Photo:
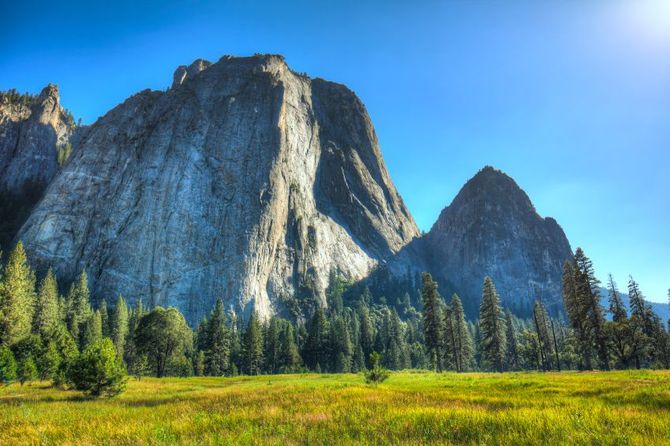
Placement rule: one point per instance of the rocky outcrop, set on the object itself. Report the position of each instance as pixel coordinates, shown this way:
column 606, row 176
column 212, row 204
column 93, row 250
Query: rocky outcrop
column 32, row 131
column 245, row 181
column 492, row 229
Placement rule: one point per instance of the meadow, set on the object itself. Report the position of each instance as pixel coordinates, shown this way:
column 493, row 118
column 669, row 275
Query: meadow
column 628, row 407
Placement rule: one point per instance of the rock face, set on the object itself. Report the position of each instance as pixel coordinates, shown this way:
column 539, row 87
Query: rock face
column 491, row 228
column 245, row 181
column 32, row 129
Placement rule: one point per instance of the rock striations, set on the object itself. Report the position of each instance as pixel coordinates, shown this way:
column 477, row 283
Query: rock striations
column 244, row 181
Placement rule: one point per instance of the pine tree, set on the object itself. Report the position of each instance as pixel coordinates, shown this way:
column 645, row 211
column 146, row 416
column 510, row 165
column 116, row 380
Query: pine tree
column 78, row 307
column 589, row 296
column 543, row 331
column 577, row 314
column 316, row 351
column 513, row 362
column 47, row 315
column 253, row 346
column 367, row 334
column 272, row 346
column 130, row 352
column 17, row 298
column 119, row 325
column 289, row 358
column 618, row 329
column 492, row 325
column 462, row 339
column 340, row 346
column 217, row 346
column 105, row 319
column 432, row 321
column 92, row 330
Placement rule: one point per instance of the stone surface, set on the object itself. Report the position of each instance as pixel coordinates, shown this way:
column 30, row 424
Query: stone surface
column 492, row 228
column 29, row 136
column 244, row 181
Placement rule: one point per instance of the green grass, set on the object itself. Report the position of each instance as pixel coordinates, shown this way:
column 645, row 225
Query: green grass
column 410, row 407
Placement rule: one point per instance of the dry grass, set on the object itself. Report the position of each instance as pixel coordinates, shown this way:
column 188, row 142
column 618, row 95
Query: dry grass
column 410, row 408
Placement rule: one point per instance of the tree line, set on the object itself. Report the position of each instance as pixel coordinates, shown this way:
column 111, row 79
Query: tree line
column 62, row 338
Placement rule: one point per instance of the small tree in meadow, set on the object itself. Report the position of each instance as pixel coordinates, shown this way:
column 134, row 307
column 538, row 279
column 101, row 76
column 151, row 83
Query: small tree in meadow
column 7, row 365
column 98, row 371
column 377, row 372
column 26, row 370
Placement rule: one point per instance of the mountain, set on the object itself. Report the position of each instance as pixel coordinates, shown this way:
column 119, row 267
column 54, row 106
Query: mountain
column 244, row 181
column 33, row 129
column 492, row 229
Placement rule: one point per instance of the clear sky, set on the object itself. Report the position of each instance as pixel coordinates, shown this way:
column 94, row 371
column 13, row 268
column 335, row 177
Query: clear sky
column 569, row 97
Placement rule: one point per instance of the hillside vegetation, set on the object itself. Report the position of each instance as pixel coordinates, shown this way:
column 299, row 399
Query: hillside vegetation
column 624, row 407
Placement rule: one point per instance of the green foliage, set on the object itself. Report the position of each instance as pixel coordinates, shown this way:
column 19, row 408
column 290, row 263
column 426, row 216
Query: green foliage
column 492, row 326
column 64, row 151
column 98, row 371
column 377, row 372
column 47, row 315
column 119, row 325
column 7, row 365
column 163, row 336
column 78, row 309
column 253, row 346
column 17, row 298
column 26, row 369
column 432, row 321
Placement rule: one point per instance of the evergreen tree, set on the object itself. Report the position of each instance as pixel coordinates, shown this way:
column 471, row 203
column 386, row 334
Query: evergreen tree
column 543, row 331
column 289, row 358
column 78, row 307
column 432, row 321
column 577, row 314
column 367, row 334
column 105, row 320
column 272, row 346
column 131, row 354
column 47, row 315
column 217, row 346
column 253, row 346
column 462, row 340
column 119, row 324
column 7, row 365
column 340, row 346
column 513, row 361
column 492, row 325
column 589, row 297
column 17, row 298
column 199, row 364
column 99, row 371
column 49, row 361
column 92, row 330
column 316, row 351
column 618, row 329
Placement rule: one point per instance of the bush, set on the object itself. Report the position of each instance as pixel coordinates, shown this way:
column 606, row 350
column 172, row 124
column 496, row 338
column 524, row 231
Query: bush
column 7, row 365
column 377, row 373
column 26, row 370
column 98, row 371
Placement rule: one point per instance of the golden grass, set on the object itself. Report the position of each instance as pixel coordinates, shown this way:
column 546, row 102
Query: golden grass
column 409, row 408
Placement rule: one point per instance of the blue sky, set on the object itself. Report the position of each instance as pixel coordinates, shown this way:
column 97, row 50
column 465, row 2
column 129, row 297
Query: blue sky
column 571, row 98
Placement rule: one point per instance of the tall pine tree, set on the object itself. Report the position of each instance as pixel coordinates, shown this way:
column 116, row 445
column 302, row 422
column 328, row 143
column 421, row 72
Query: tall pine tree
column 492, row 326
column 432, row 321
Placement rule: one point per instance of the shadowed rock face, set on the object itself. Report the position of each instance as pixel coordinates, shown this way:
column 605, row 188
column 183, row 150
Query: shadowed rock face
column 244, row 181
column 491, row 228
column 30, row 134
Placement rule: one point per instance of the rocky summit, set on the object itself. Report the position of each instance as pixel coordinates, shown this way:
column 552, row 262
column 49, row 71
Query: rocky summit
column 492, row 229
column 244, row 181
column 34, row 133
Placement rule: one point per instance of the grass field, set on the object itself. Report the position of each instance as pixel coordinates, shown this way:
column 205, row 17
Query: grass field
column 411, row 408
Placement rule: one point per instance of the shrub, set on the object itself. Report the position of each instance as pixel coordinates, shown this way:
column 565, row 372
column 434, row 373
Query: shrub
column 7, row 365
column 377, row 373
column 98, row 371
column 26, row 370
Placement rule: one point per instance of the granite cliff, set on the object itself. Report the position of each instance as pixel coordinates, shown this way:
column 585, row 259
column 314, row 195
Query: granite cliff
column 244, row 181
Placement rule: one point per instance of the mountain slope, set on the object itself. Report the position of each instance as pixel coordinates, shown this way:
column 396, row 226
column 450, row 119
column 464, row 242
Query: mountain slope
column 244, row 181
column 491, row 228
